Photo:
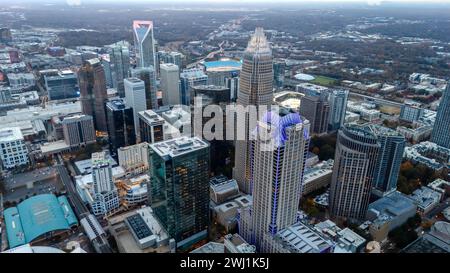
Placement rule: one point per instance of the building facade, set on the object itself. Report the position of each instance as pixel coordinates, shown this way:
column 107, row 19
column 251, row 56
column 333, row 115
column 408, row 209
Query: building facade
column 170, row 84
column 13, row 151
column 255, row 88
column 357, row 151
column 106, row 197
column 120, row 120
column 278, row 156
column 119, row 57
column 180, row 188
column 135, row 99
column 440, row 134
column 93, row 95
column 337, row 100
column 78, row 130
column 144, row 43
column 148, row 75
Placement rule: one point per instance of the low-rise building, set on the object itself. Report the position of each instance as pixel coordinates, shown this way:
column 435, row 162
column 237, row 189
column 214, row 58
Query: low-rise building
column 389, row 212
column 317, row 176
column 222, row 189
column 139, row 231
column 426, row 198
column 13, row 151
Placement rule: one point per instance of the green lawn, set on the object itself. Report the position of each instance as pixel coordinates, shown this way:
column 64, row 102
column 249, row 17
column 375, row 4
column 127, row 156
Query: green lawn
column 322, row 80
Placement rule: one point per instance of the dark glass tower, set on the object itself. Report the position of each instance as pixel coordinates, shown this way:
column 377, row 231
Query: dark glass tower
column 441, row 130
column 120, row 125
column 180, row 188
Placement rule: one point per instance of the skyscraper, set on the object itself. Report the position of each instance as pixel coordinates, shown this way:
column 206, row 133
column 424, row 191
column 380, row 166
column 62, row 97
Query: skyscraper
column 119, row 57
column 255, row 88
column 151, row 127
column 106, row 198
column 170, row 84
column 92, row 83
column 120, row 120
column 441, row 129
column 337, row 100
column 278, row 155
column 357, row 151
column 135, row 99
column 148, row 75
column 180, row 188
column 144, row 43
column 188, row 79
column 316, row 109
column 389, row 159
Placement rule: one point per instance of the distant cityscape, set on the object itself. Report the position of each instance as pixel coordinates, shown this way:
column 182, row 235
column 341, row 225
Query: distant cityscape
column 104, row 147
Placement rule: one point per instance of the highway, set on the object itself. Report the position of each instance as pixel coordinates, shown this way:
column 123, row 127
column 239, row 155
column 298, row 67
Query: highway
column 80, row 209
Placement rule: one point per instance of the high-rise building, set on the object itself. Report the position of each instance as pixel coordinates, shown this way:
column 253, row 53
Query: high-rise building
column 233, row 84
column 105, row 195
column 134, row 157
column 279, row 67
column 278, row 155
column 144, row 43
column 255, row 88
column 441, row 129
column 63, row 85
column 120, row 120
column 148, row 75
column 135, row 99
column 119, row 57
column 188, row 79
column 180, row 188
column 389, row 159
column 356, row 155
column 151, row 127
column 316, row 109
column 172, row 57
column 337, row 100
column 170, row 84
column 78, row 130
column 93, row 95
column 13, row 151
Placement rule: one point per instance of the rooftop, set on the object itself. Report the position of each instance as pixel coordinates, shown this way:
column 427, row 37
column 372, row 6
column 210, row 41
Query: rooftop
column 178, row 146
column 37, row 216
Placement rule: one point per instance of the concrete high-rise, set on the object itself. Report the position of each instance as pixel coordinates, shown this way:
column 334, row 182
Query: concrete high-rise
column 105, row 195
column 148, row 75
column 119, row 57
column 278, row 155
column 135, row 98
column 170, row 84
column 316, row 109
column 337, row 100
column 180, row 188
column 144, row 43
column 120, row 119
column 93, row 95
column 441, row 129
column 255, row 88
column 357, row 150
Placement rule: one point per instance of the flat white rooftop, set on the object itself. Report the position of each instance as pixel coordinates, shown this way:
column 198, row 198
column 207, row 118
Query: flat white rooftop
column 10, row 134
column 178, row 146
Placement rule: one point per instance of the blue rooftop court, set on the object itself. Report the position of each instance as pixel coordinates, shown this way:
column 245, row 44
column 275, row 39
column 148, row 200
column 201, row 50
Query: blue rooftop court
column 37, row 216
